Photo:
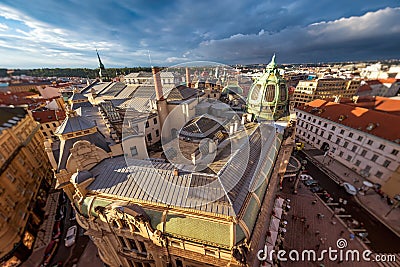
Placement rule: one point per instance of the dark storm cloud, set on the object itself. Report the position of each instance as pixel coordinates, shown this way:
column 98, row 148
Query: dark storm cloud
column 66, row 33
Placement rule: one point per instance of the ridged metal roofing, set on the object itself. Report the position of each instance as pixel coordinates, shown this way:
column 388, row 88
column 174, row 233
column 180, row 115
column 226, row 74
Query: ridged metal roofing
column 74, row 124
column 222, row 193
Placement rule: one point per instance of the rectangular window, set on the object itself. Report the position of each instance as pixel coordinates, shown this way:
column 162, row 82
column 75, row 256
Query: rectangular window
column 10, row 177
column 382, row 147
column 370, row 142
column 367, row 168
column 149, row 137
column 354, row 148
column 318, row 142
column 338, row 141
column 395, row 152
column 142, row 247
column 350, row 135
column 342, row 131
column 360, row 138
column 348, row 158
column 147, row 124
column 319, row 122
column 122, row 241
column 157, row 133
column 333, row 128
column 341, row 154
column 345, row 144
column 155, row 120
column 132, row 244
column 379, row 174
column 386, row 163
column 363, row 153
column 374, row 158
column 358, row 163
column 54, row 124
column 329, row 137
column 134, row 151
column 325, row 125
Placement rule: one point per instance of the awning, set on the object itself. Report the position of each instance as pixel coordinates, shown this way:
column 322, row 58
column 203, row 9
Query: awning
column 274, row 224
column 279, row 202
column 278, row 213
column 271, row 239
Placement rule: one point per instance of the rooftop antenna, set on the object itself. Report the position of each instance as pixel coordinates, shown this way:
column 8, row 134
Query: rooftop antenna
column 148, row 52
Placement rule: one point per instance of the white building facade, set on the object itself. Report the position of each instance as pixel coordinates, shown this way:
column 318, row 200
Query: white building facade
column 373, row 157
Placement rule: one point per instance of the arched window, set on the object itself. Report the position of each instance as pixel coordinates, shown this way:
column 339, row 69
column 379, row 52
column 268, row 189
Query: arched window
column 283, row 92
column 270, row 93
column 256, row 90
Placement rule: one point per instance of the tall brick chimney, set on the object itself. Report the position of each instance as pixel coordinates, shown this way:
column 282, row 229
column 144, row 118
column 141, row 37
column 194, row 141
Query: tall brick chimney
column 157, row 83
column 187, row 77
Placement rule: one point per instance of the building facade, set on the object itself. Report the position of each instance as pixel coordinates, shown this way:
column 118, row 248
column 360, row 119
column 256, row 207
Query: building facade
column 211, row 209
column 323, row 88
column 26, row 177
column 360, row 138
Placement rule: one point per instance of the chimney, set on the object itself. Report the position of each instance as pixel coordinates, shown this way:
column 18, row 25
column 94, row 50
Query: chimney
column 187, row 77
column 157, row 83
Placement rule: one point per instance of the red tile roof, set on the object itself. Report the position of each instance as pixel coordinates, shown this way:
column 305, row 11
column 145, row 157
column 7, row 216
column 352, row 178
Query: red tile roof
column 378, row 103
column 364, row 87
column 383, row 124
column 44, row 116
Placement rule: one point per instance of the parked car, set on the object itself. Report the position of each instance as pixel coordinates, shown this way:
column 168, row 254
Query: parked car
column 310, row 182
column 316, row 189
column 71, row 236
column 305, row 177
column 350, row 189
column 49, row 252
column 57, row 230
column 58, row 264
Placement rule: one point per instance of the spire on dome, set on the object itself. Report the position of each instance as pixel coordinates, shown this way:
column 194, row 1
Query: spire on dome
column 272, row 63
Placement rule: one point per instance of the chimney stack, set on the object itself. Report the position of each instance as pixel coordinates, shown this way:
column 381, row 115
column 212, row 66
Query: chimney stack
column 157, row 83
column 187, row 77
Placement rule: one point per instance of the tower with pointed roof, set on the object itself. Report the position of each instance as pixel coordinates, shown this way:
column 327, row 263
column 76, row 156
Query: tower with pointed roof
column 268, row 96
column 82, row 146
column 101, row 66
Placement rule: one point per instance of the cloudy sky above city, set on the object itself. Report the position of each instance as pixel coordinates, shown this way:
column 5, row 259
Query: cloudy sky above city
column 45, row 33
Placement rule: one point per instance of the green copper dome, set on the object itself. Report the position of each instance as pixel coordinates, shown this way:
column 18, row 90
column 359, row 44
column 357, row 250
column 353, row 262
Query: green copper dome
column 268, row 96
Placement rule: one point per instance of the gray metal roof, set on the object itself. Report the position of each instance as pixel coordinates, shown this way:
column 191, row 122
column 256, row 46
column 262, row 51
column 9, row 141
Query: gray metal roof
column 78, row 96
column 223, row 193
column 65, row 145
column 10, row 116
column 81, row 105
column 112, row 90
column 74, row 124
column 128, row 91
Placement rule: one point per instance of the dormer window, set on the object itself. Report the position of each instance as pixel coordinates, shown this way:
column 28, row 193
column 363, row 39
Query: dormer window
column 372, row 126
column 342, row 117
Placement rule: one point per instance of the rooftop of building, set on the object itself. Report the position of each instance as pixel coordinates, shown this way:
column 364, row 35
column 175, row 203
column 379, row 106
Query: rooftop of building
column 371, row 121
column 10, row 116
column 47, row 115
column 74, row 123
column 221, row 191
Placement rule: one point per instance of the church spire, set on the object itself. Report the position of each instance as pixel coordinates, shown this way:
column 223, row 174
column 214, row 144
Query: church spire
column 101, row 66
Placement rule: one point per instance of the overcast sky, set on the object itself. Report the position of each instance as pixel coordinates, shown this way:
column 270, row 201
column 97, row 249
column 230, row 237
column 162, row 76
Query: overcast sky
column 48, row 33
